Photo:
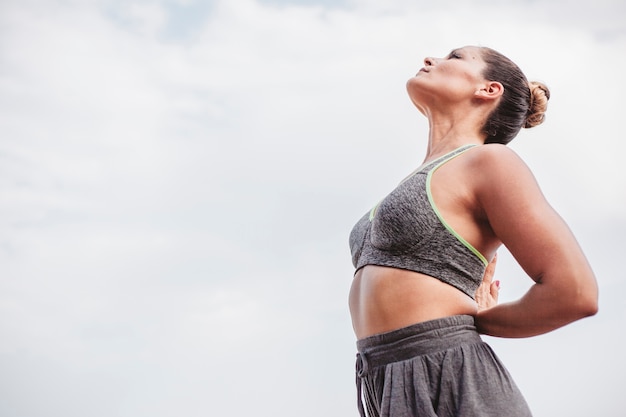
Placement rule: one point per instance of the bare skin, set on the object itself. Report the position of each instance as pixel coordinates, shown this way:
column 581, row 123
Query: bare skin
column 490, row 197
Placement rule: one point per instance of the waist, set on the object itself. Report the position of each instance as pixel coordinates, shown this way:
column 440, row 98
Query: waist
column 384, row 299
column 416, row 340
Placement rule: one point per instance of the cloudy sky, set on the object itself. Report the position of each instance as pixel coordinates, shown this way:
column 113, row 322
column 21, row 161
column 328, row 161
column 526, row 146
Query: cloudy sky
column 178, row 180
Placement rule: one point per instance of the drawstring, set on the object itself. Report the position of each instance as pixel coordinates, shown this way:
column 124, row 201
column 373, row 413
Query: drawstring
column 361, row 369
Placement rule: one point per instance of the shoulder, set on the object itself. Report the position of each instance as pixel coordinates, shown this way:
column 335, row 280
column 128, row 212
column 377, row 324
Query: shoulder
column 495, row 156
column 494, row 163
column 500, row 176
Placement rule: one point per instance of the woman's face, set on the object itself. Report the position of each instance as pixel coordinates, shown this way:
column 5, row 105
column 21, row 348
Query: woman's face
column 444, row 81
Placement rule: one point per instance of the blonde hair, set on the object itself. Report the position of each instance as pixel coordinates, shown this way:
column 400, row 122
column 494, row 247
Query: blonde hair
column 539, row 96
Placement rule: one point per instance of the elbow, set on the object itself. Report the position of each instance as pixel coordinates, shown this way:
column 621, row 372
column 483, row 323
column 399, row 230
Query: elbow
column 583, row 290
column 580, row 306
column 579, row 299
column 589, row 307
column 587, row 302
column 586, row 309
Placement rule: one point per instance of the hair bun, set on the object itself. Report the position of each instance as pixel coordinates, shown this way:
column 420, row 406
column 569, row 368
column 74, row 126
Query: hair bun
column 539, row 96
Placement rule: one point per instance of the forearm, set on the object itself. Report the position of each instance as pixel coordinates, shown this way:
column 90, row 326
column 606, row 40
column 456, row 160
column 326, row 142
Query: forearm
column 542, row 309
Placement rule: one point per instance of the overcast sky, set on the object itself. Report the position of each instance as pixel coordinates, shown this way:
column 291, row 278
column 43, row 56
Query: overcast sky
column 178, row 180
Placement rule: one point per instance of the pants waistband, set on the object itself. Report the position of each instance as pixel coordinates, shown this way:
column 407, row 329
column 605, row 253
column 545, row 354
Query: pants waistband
column 415, row 340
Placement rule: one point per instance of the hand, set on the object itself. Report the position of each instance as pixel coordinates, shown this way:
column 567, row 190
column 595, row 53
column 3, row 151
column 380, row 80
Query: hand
column 487, row 293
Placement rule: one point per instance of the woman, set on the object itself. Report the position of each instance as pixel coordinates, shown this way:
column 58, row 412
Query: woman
column 422, row 291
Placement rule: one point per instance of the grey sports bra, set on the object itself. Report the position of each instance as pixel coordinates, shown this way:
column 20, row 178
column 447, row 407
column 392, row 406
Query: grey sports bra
column 405, row 230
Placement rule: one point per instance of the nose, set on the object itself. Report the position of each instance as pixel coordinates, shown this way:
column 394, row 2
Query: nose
column 430, row 61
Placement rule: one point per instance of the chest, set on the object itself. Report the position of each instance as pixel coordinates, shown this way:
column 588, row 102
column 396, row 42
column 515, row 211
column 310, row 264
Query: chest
column 404, row 219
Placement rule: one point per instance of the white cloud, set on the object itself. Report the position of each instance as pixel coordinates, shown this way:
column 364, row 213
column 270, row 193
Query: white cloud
column 175, row 211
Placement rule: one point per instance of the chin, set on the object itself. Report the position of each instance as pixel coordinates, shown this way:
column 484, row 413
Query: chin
column 414, row 83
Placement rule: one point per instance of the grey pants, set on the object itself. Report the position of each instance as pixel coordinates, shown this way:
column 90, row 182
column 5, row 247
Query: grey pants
column 438, row 368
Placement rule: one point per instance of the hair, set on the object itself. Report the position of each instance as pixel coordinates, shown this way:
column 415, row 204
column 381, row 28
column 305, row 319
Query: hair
column 522, row 105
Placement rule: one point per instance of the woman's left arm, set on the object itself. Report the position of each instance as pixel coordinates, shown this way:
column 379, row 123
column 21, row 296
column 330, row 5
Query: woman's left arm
column 565, row 287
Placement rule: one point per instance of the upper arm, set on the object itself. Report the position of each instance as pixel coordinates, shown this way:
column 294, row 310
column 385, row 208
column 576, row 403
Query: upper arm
column 523, row 220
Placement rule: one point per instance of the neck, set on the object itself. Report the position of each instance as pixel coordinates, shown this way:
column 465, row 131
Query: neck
column 449, row 131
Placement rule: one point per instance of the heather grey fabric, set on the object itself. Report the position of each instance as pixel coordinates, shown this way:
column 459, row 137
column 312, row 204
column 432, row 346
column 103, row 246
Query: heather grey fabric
column 438, row 368
column 404, row 231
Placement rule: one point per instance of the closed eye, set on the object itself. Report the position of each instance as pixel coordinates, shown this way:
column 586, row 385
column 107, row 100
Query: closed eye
column 454, row 55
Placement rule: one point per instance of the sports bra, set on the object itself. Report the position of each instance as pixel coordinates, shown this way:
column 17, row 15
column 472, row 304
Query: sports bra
column 405, row 230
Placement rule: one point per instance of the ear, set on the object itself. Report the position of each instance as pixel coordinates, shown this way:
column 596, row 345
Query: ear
column 491, row 90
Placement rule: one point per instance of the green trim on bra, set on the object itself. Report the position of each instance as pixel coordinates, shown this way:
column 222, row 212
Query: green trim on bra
column 441, row 219
column 445, row 158
column 373, row 210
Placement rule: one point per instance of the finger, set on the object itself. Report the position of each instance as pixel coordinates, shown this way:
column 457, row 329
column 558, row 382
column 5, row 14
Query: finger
column 494, row 290
column 490, row 270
